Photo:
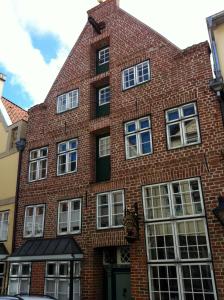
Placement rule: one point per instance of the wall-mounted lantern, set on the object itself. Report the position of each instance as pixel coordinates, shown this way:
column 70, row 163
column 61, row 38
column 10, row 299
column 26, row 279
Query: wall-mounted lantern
column 219, row 210
column 131, row 224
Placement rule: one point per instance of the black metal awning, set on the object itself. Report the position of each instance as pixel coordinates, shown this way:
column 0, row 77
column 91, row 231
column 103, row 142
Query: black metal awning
column 48, row 249
column 3, row 251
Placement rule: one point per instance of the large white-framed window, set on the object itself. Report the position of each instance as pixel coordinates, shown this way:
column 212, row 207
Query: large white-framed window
column 178, row 251
column 38, row 164
column 138, row 137
column 4, row 224
column 68, row 101
column 19, row 278
column 67, row 157
column 182, row 126
column 69, row 216
column 104, row 95
column 57, row 280
column 34, row 221
column 104, row 146
column 136, row 75
column 110, row 209
column 103, row 56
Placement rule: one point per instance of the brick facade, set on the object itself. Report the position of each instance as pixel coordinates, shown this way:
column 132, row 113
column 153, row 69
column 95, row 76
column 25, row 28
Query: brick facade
column 177, row 77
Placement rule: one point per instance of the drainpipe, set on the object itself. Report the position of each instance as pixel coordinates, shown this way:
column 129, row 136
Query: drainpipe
column 20, row 145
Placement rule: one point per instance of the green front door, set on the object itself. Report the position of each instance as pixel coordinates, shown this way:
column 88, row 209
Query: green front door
column 121, row 286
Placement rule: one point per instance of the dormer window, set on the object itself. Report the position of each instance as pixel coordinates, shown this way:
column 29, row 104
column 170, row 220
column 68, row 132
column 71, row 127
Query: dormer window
column 68, row 101
column 102, row 60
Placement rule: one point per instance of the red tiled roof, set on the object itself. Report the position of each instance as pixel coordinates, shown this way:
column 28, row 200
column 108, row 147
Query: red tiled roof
column 15, row 112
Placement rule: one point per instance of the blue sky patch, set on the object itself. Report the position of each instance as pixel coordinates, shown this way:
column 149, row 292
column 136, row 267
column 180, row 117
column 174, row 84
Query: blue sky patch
column 15, row 92
column 47, row 43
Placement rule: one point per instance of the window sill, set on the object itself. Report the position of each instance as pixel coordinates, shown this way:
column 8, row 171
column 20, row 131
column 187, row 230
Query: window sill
column 184, row 146
column 134, row 86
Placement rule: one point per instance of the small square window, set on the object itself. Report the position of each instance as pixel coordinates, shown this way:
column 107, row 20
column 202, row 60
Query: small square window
column 104, row 146
column 182, row 126
column 68, row 101
column 136, row 75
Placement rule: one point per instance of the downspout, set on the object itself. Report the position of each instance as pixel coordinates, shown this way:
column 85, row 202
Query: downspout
column 20, row 145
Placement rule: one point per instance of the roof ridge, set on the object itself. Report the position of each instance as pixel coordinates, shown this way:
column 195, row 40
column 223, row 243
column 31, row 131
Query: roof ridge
column 14, row 103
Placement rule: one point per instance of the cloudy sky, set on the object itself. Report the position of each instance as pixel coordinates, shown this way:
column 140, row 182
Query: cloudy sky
column 37, row 35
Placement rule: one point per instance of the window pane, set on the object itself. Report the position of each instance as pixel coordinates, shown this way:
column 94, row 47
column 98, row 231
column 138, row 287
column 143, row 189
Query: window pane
column 72, row 161
column 189, row 110
column 43, row 169
column 43, row 152
column 63, row 290
column 192, row 239
column 62, row 103
column 117, row 209
column 197, row 282
column 24, row 285
column 33, row 154
column 174, row 135
column 128, row 78
column 63, row 269
column 75, row 216
column 50, row 287
column 76, row 289
column 144, row 123
column 173, row 115
column 73, row 99
column 103, row 211
column 13, row 286
column 62, row 147
column 72, row 144
column 145, row 142
column 103, row 56
column 104, row 95
column 33, row 171
column 160, row 241
column 191, row 131
column 130, row 127
column 14, row 270
column 62, row 164
column 131, row 142
column 25, row 270
column 104, row 146
column 143, row 72
column 63, row 217
column 51, row 269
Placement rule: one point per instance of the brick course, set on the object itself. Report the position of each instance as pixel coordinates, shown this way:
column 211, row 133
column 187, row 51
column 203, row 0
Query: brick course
column 177, row 77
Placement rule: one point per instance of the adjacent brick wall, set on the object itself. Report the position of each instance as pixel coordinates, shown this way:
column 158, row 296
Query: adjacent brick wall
column 178, row 77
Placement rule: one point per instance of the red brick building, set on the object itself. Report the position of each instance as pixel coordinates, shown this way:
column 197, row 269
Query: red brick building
column 129, row 127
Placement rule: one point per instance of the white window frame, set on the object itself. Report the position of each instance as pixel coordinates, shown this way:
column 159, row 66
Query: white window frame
column 178, row 260
column 58, row 278
column 137, row 132
column 3, row 213
column 103, row 61
column 19, row 277
column 69, row 221
column 69, row 99
column 67, row 152
column 136, row 76
column 102, row 101
column 34, row 207
column 110, row 204
column 171, row 199
column 38, row 161
column 181, row 120
column 104, row 141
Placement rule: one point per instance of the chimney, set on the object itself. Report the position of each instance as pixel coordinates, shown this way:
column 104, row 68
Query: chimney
column 2, row 81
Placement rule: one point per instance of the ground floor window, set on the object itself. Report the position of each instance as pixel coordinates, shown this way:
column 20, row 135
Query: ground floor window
column 19, row 278
column 57, row 280
column 183, row 281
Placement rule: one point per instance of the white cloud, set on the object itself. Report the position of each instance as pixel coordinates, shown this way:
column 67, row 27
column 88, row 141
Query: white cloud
column 183, row 22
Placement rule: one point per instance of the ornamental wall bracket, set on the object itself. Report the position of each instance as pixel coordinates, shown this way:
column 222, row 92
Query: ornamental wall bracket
column 131, row 223
column 97, row 26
